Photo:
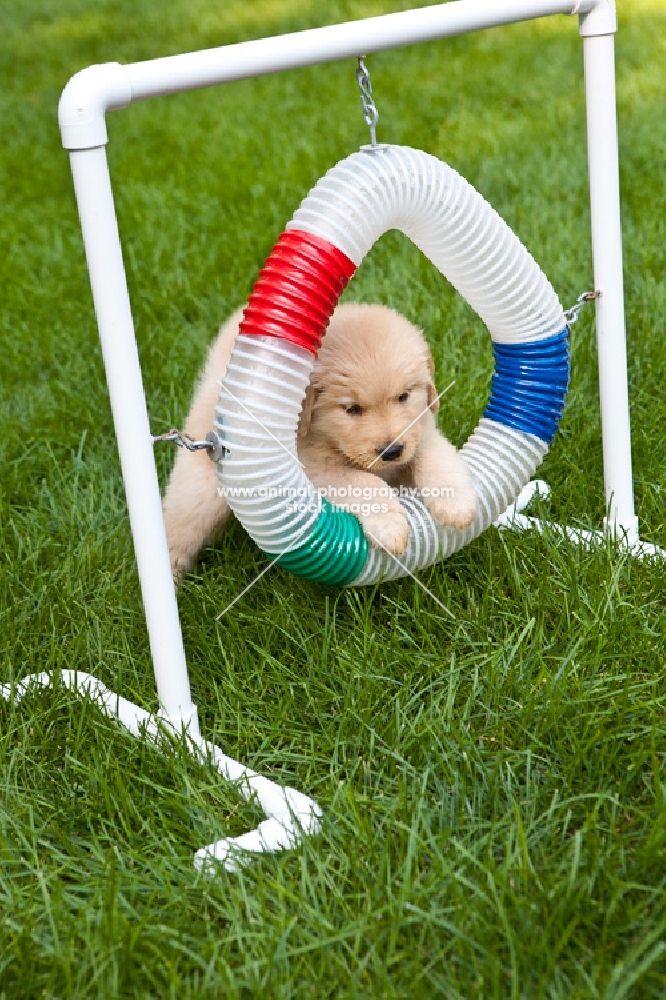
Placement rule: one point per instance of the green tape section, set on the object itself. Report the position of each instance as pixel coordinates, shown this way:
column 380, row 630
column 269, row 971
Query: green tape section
column 335, row 552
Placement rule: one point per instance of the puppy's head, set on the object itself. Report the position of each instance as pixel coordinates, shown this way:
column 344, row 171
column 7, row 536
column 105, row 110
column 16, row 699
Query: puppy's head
column 372, row 378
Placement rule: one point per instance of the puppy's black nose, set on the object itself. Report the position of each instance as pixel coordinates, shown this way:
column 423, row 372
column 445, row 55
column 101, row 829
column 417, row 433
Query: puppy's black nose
column 391, row 452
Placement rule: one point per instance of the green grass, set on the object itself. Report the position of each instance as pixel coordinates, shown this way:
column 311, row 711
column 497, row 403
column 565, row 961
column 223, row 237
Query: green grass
column 493, row 786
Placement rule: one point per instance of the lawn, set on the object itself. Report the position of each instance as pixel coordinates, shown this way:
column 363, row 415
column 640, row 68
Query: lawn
column 493, row 784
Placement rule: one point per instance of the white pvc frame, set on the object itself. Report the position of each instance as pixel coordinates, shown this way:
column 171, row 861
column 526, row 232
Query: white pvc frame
column 83, row 106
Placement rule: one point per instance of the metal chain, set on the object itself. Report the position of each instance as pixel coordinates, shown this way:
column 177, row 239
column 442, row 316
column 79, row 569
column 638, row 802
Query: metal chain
column 370, row 113
column 571, row 315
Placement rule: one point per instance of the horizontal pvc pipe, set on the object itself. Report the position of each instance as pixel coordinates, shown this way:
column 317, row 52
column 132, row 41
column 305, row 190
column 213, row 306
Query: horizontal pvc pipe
column 98, row 89
column 173, row 74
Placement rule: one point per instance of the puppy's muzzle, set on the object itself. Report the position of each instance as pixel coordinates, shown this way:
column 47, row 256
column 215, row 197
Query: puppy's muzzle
column 390, row 452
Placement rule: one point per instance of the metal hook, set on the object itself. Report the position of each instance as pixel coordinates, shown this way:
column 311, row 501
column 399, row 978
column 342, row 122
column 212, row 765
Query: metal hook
column 211, row 444
column 571, row 315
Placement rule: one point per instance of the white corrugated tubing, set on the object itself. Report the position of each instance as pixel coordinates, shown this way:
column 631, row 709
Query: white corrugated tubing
column 363, row 196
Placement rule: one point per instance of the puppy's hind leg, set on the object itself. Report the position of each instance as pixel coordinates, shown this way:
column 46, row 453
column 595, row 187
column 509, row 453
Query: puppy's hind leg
column 193, row 510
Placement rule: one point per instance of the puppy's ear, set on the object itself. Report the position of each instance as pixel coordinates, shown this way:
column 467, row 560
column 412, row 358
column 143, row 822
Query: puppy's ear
column 311, row 394
column 433, row 401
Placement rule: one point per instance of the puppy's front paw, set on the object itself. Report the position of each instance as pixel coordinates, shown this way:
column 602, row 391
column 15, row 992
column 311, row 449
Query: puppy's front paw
column 457, row 511
column 388, row 530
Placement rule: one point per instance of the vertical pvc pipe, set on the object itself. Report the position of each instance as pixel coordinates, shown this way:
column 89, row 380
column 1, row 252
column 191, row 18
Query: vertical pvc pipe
column 121, row 360
column 599, row 57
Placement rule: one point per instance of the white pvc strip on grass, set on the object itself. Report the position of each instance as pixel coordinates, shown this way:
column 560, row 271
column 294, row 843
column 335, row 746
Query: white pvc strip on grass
column 290, row 814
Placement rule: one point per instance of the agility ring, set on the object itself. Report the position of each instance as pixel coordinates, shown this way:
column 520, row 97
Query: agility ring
column 359, row 199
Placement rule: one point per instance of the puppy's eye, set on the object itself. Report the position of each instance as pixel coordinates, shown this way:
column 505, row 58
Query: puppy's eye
column 354, row 410
column 403, row 397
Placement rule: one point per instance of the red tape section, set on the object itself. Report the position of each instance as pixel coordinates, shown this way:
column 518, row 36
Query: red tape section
column 297, row 290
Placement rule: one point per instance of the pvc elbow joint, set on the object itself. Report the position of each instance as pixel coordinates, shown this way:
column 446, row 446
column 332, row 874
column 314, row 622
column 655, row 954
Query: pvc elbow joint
column 86, row 99
column 601, row 20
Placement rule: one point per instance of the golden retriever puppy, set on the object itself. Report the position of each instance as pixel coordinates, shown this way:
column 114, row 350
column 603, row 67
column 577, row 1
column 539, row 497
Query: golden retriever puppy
column 367, row 421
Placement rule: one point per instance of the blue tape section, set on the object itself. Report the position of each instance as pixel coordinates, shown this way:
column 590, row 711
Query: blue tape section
column 530, row 385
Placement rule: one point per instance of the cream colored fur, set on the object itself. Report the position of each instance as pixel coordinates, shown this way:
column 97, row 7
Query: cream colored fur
column 372, row 384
